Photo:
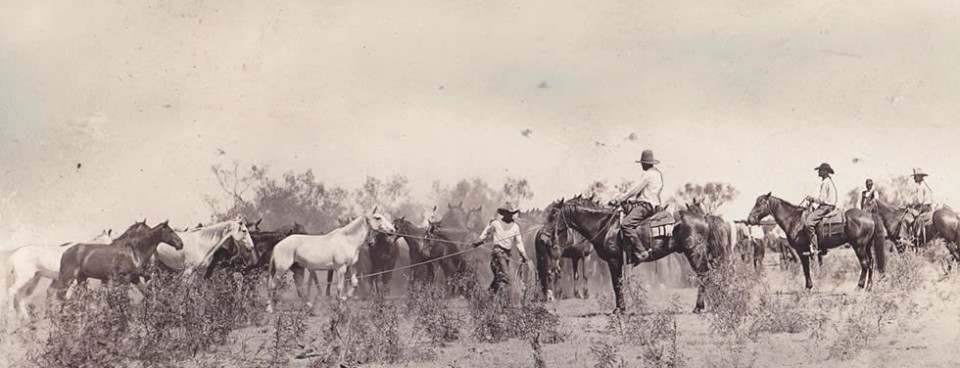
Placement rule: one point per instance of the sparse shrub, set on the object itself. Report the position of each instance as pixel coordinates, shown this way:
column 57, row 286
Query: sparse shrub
column 427, row 308
column 176, row 319
column 607, row 354
column 358, row 335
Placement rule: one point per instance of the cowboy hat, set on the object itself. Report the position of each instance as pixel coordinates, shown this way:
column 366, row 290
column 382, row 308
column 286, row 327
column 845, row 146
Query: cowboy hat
column 824, row 166
column 508, row 209
column 647, row 158
column 918, row 172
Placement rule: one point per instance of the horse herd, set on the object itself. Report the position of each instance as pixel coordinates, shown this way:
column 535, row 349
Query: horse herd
column 576, row 228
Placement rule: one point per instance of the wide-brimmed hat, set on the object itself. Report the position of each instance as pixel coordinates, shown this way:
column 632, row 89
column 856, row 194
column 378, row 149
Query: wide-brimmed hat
column 647, row 158
column 824, row 166
column 508, row 209
column 918, row 172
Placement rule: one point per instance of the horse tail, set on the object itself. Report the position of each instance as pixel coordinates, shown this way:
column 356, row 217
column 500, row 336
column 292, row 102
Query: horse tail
column 733, row 234
column 718, row 237
column 879, row 236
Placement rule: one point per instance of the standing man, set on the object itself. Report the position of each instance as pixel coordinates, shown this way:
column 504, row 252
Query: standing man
column 642, row 201
column 868, row 198
column 506, row 235
column 824, row 202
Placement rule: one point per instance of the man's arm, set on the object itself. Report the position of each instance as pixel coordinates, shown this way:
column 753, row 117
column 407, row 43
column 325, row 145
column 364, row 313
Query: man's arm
column 644, row 182
column 484, row 235
column 518, row 240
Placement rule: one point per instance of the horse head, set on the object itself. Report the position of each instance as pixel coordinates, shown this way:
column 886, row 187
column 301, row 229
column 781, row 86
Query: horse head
column 379, row 221
column 168, row 235
column 241, row 236
column 760, row 209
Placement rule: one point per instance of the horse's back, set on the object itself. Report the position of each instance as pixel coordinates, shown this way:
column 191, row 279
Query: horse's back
column 44, row 258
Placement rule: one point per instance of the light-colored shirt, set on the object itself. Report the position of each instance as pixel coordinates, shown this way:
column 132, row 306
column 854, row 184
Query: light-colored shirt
column 648, row 187
column 923, row 195
column 505, row 235
column 828, row 193
column 867, row 197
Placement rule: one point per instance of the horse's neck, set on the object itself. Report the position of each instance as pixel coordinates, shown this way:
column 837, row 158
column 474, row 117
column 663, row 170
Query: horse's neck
column 591, row 223
column 356, row 231
column 786, row 215
column 197, row 246
column 144, row 249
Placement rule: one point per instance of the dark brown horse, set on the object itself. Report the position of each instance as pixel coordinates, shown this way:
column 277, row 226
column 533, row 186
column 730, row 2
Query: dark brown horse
column 946, row 224
column 263, row 242
column 549, row 253
column 125, row 257
column 703, row 241
column 443, row 243
column 413, row 236
column 383, row 257
column 895, row 223
column 863, row 231
column 458, row 217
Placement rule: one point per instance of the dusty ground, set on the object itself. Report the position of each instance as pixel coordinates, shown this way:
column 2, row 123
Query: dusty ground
column 927, row 336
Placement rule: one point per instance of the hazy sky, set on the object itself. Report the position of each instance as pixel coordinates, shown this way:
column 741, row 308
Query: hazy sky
column 754, row 93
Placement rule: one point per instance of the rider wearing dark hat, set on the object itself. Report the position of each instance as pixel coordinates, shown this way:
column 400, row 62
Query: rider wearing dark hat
column 825, row 202
column 506, row 235
column 644, row 198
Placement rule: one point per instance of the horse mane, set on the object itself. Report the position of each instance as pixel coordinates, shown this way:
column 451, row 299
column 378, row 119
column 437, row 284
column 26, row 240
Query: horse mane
column 131, row 239
column 216, row 231
column 131, row 232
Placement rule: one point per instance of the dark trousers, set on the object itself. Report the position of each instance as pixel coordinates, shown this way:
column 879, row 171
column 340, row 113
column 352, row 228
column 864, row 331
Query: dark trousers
column 641, row 211
column 500, row 266
column 812, row 219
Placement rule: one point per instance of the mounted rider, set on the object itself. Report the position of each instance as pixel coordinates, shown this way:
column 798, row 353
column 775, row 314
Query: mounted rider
column 641, row 202
column 506, row 235
column 868, row 198
column 823, row 203
column 921, row 205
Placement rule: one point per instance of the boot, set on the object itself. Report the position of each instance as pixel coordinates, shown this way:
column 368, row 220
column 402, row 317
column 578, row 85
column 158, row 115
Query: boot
column 814, row 242
column 632, row 236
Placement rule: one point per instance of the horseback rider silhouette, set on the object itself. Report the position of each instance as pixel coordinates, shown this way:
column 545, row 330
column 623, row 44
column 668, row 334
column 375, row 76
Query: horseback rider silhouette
column 825, row 202
column 922, row 202
column 640, row 202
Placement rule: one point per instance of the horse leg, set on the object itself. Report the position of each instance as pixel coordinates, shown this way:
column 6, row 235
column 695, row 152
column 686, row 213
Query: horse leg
column 616, row 278
column 585, row 284
column 575, row 263
column 329, row 280
column 805, row 262
column 299, row 284
column 864, row 259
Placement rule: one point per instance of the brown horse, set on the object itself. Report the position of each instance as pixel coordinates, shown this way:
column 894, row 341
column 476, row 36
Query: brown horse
column 126, row 257
column 701, row 239
column 863, row 231
column 946, row 224
column 263, row 242
column 549, row 253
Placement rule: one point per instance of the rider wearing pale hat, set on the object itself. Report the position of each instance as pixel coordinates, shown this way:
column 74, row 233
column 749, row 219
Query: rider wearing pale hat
column 506, row 235
column 644, row 198
column 824, row 202
column 923, row 195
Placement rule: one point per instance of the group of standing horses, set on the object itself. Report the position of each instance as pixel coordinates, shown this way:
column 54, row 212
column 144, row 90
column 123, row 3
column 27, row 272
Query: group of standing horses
column 577, row 228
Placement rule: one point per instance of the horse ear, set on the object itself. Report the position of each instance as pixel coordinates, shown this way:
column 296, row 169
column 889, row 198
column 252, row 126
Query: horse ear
column 768, row 194
column 435, row 208
column 166, row 222
column 404, row 217
column 256, row 224
column 375, row 208
column 109, row 232
column 460, row 205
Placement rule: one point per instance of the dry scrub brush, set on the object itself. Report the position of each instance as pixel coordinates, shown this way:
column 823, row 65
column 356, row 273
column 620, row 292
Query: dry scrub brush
column 176, row 319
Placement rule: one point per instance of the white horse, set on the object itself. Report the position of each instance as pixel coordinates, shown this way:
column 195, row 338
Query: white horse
column 334, row 251
column 200, row 244
column 29, row 263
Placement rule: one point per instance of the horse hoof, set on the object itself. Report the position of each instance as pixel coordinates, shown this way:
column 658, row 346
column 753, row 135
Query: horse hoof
column 618, row 311
column 697, row 310
column 550, row 297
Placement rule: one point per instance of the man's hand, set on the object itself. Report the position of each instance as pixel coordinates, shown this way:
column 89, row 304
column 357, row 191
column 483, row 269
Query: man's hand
column 477, row 243
column 523, row 260
column 613, row 202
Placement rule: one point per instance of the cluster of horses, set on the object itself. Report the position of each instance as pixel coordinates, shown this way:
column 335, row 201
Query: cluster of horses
column 578, row 228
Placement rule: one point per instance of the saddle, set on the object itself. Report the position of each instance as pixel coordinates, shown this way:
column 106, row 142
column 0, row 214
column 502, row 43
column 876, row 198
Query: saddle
column 832, row 224
column 657, row 226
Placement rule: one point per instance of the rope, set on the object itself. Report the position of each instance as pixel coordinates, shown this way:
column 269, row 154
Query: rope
column 412, row 265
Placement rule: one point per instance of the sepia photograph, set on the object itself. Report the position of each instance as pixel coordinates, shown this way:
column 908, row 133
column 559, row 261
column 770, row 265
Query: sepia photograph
column 456, row 184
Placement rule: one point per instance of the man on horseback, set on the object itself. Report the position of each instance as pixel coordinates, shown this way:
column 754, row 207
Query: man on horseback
column 506, row 235
column 921, row 204
column 868, row 198
column 641, row 202
column 825, row 202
